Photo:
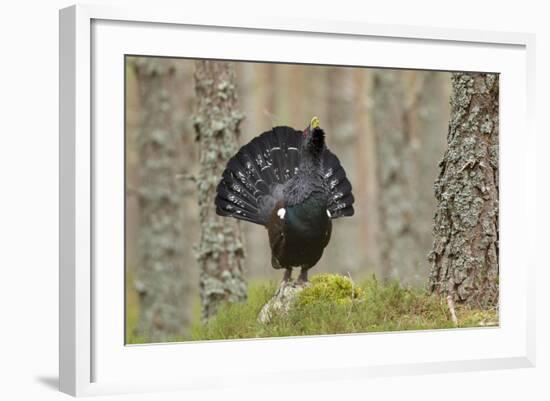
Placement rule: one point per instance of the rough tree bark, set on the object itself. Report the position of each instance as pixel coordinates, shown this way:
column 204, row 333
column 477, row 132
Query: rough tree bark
column 220, row 252
column 160, row 275
column 400, row 251
column 464, row 256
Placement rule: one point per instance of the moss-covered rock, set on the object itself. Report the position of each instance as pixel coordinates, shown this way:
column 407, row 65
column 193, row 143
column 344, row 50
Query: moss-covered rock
column 280, row 304
column 333, row 288
column 332, row 304
column 323, row 289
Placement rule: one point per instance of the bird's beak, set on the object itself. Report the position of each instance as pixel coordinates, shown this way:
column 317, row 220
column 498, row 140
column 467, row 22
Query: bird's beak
column 315, row 123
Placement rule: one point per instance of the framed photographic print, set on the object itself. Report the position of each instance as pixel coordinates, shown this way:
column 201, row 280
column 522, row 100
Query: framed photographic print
column 349, row 197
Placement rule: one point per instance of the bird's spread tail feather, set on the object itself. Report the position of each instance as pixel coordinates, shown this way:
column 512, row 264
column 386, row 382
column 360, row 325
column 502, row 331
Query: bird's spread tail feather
column 341, row 199
column 254, row 177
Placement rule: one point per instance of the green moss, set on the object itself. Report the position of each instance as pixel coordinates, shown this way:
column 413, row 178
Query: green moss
column 234, row 320
column 334, row 288
column 331, row 305
column 334, row 305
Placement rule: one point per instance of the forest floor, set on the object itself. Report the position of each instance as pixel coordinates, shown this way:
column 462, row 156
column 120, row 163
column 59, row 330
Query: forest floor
column 374, row 307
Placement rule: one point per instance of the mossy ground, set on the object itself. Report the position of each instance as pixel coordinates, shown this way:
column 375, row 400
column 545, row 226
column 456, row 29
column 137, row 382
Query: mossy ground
column 332, row 305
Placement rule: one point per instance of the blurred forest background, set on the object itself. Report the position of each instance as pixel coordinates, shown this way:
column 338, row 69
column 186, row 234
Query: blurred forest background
column 388, row 128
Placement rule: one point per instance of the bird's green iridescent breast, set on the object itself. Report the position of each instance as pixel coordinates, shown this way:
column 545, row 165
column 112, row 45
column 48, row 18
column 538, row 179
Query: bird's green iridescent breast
column 307, row 220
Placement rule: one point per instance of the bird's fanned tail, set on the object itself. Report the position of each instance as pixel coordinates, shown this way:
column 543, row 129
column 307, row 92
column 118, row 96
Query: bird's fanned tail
column 252, row 183
column 254, row 176
column 341, row 199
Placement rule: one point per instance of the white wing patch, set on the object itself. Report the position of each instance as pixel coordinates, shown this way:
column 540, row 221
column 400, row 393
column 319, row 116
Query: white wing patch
column 328, row 214
column 281, row 213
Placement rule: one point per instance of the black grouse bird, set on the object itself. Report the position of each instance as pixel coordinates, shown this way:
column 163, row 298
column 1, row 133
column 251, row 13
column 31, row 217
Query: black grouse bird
column 289, row 182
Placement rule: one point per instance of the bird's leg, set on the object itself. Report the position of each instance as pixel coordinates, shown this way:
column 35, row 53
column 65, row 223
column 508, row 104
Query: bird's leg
column 288, row 276
column 302, row 278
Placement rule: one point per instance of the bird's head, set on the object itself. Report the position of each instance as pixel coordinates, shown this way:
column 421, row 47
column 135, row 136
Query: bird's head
column 314, row 139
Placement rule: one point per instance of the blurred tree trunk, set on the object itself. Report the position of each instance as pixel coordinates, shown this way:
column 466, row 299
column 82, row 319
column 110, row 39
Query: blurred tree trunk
column 400, row 251
column 365, row 186
column 256, row 100
column 283, row 94
column 188, row 155
column 464, row 257
column 160, row 276
column 132, row 130
column 295, row 85
column 426, row 118
column 266, row 93
column 345, row 253
column 428, row 101
column 220, row 251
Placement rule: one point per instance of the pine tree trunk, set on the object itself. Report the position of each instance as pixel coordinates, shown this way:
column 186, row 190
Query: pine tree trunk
column 345, row 253
column 429, row 119
column 160, row 275
column 220, row 252
column 365, row 186
column 256, row 99
column 464, row 257
column 132, row 131
column 400, row 251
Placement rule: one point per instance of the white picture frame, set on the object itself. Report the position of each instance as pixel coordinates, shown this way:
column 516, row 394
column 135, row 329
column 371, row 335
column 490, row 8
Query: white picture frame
column 93, row 358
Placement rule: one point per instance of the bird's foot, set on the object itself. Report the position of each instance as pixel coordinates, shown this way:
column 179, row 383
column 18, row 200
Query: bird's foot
column 287, row 277
column 302, row 278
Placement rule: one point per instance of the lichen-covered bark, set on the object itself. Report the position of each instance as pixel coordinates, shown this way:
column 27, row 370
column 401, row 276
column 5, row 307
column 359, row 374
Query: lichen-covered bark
column 464, row 257
column 160, row 275
column 220, row 251
column 400, row 250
